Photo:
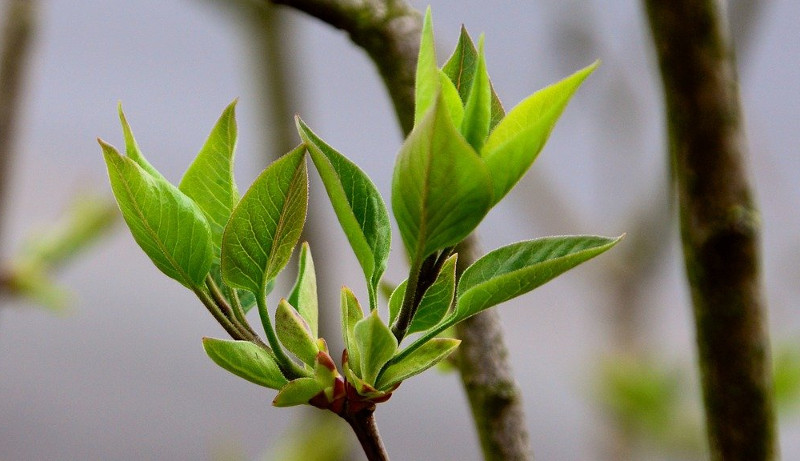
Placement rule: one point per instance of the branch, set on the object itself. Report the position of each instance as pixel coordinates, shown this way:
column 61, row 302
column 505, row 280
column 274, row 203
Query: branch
column 17, row 33
column 388, row 30
column 493, row 393
column 719, row 224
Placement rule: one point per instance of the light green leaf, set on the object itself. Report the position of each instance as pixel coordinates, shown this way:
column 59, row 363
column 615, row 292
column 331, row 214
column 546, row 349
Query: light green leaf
column 451, row 99
column 358, row 206
column 304, row 293
column 246, row 360
column 437, row 298
column 427, row 82
column 376, row 345
column 441, row 189
column 132, row 150
column 297, row 392
column 352, row 313
column 461, row 67
column 396, row 301
column 516, row 141
column 295, row 333
column 518, row 268
column 478, row 106
column 209, row 179
column 266, row 224
column 167, row 225
column 428, row 355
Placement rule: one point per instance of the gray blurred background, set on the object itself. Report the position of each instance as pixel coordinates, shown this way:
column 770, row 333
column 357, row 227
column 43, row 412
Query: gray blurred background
column 123, row 375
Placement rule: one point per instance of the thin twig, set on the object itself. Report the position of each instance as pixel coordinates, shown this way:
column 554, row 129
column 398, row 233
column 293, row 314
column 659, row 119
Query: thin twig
column 719, row 224
column 366, row 429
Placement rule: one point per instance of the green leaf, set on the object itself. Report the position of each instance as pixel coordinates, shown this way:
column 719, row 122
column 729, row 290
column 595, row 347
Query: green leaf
column 246, row 360
column 266, row 224
column 478, row 106
column 295, row 333
column 358, row 206
column 428, row 355
column 376, row 345
column 167, row 225
column 516, row 141
column 352, row 313
column 132, row 150
column 451, row 99
column 427, row 82
column 209, row 179
column 461, row 68
column 437, row 298
column 441, row 189
column 396, row 301
column 304, row 292
column 297, row 392
column 518, row 268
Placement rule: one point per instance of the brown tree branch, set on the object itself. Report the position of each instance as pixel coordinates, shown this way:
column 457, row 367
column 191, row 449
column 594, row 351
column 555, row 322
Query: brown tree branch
column 493, row 394
column 719, row 224
column 17, row 34
column 388, row 30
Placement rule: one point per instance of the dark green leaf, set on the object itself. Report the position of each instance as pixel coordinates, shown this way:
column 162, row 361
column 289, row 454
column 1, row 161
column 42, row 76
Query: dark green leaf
column 266, row 224
column 437, row 298
column 246, row 360
column 304, row 293
column 518, row 268
column 358, row 205
column 418, row 361
column 441, row 189
column 295, row 333
column 461, row 67
column 167, row 225
column 478, row 106
column 376, row 345
column 209, row 179
column 516, row 141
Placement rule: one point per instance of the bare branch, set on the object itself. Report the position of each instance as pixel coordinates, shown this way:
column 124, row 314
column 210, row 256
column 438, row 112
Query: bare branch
column 719, row 224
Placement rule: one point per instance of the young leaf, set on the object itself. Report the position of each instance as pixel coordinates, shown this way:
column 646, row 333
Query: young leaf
column 167, row 225
column 376, row 345
column 209, row 179
column 358, row 205
column 437, row 298
column 428, row 355
column 516, row 141
column 441, row 189
column 132, row 150
column 295, row 333
column 427, row 82
column 451, row 99
column 396, row 301
column 478, row 106
column 297, row 392
column 304, row 293
column 246, row 360
column 266, row 224
column 351, row 315
column 461, row 67
column 518, row 268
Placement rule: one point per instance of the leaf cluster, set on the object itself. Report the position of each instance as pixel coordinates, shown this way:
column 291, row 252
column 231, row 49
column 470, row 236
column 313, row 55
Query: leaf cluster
column 463, row 155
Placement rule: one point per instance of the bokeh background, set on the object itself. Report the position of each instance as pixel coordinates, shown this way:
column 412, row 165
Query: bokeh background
column 122, row 375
